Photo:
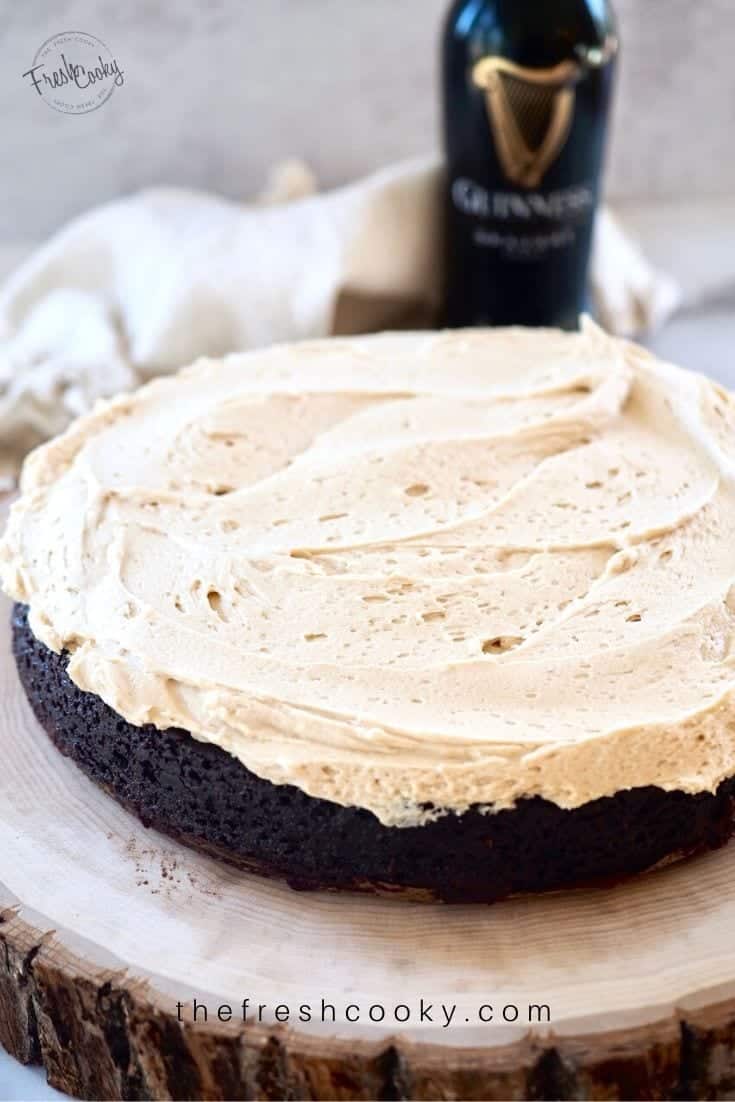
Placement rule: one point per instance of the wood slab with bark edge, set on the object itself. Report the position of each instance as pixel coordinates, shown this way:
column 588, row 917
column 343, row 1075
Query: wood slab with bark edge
column 104, row 926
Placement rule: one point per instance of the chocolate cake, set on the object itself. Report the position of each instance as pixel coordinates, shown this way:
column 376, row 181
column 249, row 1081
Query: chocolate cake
column 446, row 615
column 201, row 795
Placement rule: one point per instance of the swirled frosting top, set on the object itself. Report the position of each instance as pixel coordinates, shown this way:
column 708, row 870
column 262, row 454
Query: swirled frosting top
column 404, row 570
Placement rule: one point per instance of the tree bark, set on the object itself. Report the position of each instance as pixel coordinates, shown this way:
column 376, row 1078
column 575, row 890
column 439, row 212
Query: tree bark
column 101, row 1035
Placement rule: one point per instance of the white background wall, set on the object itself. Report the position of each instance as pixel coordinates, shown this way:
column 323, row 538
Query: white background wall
column 217, row 90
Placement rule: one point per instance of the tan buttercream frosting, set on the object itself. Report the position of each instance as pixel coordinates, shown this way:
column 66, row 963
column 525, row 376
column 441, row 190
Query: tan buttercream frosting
column 450, row 568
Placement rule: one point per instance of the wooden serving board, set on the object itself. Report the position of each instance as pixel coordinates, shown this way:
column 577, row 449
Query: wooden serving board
column 105, row 926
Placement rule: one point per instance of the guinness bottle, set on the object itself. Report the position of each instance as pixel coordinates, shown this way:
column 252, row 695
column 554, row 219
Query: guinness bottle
column 526, row 89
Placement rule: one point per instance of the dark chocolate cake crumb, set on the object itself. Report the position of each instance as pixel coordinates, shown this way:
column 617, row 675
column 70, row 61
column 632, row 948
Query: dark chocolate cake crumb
column 203, row 796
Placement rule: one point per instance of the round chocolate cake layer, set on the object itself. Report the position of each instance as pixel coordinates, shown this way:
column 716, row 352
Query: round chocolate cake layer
column 201, row 795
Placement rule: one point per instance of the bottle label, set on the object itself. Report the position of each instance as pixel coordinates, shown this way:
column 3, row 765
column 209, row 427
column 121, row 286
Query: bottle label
column 552, row 206
column 530, row 113
column 523, row 225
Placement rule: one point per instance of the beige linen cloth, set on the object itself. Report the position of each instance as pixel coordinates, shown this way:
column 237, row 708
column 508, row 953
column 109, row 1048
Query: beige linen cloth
column 146, row 284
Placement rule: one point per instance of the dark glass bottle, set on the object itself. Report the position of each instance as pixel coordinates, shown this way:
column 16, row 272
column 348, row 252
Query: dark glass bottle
column 526, row 96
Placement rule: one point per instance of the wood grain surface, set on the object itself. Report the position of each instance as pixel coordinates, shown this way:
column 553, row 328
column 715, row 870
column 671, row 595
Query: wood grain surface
column 105, row 926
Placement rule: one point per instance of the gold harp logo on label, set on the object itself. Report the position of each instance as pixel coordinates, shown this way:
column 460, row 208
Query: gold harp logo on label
column 529, row 111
